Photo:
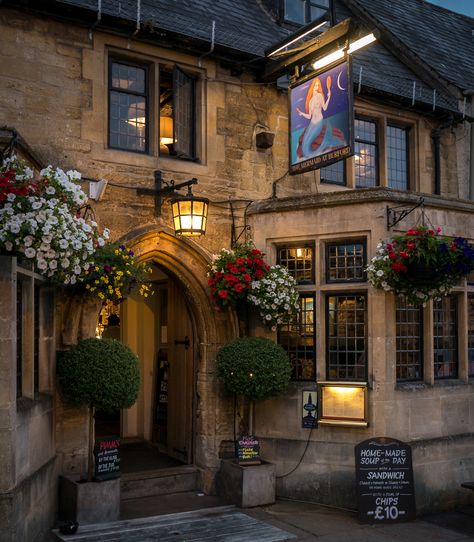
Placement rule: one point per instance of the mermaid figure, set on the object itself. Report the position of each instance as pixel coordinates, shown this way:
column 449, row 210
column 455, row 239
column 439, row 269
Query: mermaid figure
column 318, row 137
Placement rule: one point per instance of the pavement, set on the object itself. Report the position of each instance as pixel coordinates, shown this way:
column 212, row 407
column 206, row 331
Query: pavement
column 310, row 522
column 168, row 518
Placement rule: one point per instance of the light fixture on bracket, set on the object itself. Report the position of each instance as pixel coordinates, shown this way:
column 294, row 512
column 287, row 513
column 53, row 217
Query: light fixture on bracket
column 189, row 211
column 340, row 53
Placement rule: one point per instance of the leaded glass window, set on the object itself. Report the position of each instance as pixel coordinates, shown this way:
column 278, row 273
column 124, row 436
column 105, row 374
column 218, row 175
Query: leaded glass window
column 298, row 338
column 409, row 333
column 445, row 338
column 397, row 157
column 345, row 261
column 128, row 107
column 470, row 333
column 299, row 260
column 334, row 173
column 347, row 337
column 366, row 154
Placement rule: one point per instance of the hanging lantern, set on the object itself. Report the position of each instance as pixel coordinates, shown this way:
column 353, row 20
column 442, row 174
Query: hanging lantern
column 189, row 214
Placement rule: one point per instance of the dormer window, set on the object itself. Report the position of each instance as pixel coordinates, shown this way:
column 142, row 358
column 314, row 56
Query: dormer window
column 304, row 11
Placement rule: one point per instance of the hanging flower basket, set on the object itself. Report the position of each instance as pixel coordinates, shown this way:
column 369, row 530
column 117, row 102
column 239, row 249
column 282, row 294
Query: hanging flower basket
column 421, row 264
column 241, row 277
column 114, row 274
column 39, row 220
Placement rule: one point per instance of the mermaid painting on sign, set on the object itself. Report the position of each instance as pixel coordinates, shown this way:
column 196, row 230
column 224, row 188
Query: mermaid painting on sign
column 320, row 121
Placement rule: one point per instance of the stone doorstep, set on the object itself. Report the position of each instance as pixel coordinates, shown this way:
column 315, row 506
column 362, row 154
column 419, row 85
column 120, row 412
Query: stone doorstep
column 222, row 523
column 136, row 485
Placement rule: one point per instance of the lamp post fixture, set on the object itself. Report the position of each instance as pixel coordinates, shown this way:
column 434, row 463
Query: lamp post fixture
column 189, row 211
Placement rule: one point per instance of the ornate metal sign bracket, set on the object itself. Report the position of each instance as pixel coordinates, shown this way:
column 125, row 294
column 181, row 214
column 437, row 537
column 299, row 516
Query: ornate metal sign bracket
column 396, row 214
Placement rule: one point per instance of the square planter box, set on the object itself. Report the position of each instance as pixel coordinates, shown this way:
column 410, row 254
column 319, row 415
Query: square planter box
column 88, row 502
column 247, row 486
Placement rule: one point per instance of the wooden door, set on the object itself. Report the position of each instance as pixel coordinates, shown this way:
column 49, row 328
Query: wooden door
column 180, row 376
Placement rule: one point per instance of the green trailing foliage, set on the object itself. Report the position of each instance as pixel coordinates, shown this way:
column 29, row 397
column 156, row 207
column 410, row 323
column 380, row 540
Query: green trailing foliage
column 254, row 367
column 100, row 373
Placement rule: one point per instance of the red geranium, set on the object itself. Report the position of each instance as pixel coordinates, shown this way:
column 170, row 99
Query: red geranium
column 232, row 273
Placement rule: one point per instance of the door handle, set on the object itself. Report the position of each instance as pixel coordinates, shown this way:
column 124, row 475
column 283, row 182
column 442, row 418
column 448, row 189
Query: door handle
column 186, row 342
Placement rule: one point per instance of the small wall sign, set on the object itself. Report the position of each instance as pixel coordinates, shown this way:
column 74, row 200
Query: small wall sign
column 310, row 409
column 107, row 459
column 384, row 476
column 248, row 451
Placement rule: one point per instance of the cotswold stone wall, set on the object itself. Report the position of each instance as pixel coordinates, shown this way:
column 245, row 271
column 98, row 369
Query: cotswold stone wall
column 53, row 90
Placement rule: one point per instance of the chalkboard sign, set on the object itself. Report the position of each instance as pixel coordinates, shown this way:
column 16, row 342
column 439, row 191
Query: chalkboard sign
column 384, row 475
column 248, row 451
column 107, row 459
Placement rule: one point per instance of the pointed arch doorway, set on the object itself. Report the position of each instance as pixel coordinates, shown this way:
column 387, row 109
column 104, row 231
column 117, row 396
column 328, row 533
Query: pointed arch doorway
column 161, row 331
column 176, row 334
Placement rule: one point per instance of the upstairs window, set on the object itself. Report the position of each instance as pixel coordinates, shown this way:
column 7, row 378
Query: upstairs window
column 334, row 173
column 397, row 157
column 304, row 11
column 366, row 153
column 177, row 113
column 128, row 107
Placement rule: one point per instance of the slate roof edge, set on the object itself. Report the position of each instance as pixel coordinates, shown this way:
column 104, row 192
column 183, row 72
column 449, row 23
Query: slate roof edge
column 86, row 16
column 396, row 46
column 355, row 197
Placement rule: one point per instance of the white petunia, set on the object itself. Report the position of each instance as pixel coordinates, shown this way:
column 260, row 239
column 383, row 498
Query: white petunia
column 30, row 252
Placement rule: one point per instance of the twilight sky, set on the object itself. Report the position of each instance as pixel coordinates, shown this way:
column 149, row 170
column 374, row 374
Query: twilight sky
column 461, row 6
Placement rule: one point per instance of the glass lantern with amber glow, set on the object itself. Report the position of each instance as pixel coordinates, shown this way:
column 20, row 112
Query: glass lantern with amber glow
column 189, row 214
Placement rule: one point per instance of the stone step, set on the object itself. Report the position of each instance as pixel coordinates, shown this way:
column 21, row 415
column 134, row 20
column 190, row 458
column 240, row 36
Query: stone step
column 223, row 524
column 136, row 485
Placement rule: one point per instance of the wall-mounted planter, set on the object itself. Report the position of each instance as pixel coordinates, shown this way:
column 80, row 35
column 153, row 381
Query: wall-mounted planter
column 247, row 486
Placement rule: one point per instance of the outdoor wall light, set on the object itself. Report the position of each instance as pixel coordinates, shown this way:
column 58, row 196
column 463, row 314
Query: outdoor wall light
column 339, row 53
column 189, row 211
column 189, row 214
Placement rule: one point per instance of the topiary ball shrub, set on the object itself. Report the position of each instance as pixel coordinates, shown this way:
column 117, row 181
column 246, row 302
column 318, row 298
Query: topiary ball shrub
column 254, row 367
column 100, row 373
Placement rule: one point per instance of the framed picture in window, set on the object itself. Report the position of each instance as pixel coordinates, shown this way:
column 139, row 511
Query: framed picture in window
column 321, row 119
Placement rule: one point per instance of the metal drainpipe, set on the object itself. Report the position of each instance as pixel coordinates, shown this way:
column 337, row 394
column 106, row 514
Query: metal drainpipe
column 470, row 94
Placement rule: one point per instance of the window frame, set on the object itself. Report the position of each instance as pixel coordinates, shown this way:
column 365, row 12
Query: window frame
column 421, row 352
column 344, row 174
column 454, row 296
column 342, row 242
column 116, row 59
column 293, row 245
column 376, row 122
column 345, row 293
column 308, row 4
column 407, row 129
column 309, row 295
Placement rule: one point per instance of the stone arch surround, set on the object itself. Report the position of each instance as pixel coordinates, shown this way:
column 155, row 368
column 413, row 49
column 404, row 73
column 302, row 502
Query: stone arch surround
column 186, row 262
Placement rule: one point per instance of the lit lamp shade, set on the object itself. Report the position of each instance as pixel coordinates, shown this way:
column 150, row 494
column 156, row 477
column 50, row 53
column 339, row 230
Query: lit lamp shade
column 189, row 215
column 166, row 130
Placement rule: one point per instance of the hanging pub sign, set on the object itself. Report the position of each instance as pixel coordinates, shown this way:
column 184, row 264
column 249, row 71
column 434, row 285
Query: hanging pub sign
column 384, row 476
column 321, row 119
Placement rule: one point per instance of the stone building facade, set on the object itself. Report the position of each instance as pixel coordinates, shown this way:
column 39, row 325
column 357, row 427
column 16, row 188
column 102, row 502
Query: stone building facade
column 57, row 61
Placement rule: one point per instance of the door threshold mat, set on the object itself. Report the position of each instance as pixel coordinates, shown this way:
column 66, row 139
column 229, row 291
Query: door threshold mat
column 221, row 524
